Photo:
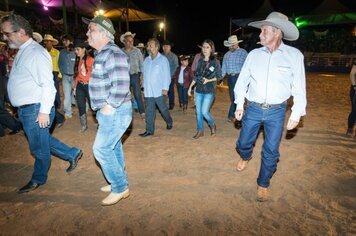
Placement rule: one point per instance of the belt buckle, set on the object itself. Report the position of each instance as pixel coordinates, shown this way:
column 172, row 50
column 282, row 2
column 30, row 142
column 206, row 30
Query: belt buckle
column 265, row 106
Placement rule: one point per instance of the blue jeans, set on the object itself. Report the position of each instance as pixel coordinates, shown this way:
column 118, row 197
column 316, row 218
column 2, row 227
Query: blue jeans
column 352, row 116
column 203, row 103
column 59, row 118
column 231, row 81
column 68, row 85
column 182, row 94
column 272, row 120
column 108, row 145
column 41, row 143
column 151, row 103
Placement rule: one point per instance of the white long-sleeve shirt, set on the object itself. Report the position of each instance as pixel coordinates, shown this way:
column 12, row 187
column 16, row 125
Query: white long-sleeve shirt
column 31, row 78
column 272, row 78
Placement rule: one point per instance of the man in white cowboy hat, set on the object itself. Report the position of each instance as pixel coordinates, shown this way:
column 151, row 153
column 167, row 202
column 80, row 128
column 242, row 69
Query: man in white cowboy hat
column 136, row 67
column 270, row 75
column 231, row 67
column 49, row 42
column 109, row 91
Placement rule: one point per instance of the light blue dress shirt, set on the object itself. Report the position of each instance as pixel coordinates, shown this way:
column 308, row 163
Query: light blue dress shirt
column 156, row 75
column 272, row 78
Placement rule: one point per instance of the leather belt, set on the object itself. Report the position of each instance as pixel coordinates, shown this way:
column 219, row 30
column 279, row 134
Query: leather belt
column 27, row 105
column 266, row 105
column 233, row 74
column 83, row 82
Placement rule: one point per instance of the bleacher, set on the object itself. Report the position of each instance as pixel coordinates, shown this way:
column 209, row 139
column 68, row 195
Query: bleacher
column 328, row 62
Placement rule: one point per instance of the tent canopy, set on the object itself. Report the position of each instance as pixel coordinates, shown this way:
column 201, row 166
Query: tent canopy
column 333, row 19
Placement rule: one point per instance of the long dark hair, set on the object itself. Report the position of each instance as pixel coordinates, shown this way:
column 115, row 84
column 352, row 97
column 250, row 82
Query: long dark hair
column 211, row 43
column 77, row 59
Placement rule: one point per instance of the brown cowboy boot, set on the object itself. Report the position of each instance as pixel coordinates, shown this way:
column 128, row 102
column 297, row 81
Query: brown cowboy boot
column 213, row 129
column 199, row 134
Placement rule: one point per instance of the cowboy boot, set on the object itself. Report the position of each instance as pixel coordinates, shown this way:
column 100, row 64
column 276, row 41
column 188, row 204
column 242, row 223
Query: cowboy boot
column 213, row 129
column 83, row 123
column 199, row 134
column 185, row 107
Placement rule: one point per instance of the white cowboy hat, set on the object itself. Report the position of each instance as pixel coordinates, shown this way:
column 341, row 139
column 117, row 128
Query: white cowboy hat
column 128, row 33
column 232, row 40
column 140, row 45
column 49, row 37
column 37, row 36
column 280, row 21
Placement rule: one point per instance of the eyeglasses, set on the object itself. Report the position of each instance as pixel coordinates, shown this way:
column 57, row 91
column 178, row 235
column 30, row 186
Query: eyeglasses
column 7, row 34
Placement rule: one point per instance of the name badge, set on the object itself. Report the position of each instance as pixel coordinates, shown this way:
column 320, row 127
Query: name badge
column 283, row 68
column 98, row 66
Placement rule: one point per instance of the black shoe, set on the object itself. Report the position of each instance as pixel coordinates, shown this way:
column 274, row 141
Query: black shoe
column 145, row 134
column 30, row 186
column 169, row 126
column 171, row 107
column 14, row 131
column 73, row 163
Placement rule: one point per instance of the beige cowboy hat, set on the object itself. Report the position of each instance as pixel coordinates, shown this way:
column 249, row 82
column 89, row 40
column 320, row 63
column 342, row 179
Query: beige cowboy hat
column 140, row 45
column 37, row 36
column 280, row 21
column 232, row 40
column 2, row 43
column 128, row 33
column 48, row 37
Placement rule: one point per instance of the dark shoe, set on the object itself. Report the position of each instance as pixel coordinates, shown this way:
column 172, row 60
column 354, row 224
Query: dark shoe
column 30, row 186
column 350, row 132
column 73, row 163
column 169, row 126
column 145, row 134
column 213, row 130
column 59, row 125
column 199, row 134
column 171, row 107
column 14, row 131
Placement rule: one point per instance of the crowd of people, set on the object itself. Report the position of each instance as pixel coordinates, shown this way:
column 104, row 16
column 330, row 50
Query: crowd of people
column 99, row 76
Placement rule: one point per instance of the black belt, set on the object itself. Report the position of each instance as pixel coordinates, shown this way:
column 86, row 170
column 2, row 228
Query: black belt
column 266, row 105
column 68, row 74
column 233, row 74
column 27, row 105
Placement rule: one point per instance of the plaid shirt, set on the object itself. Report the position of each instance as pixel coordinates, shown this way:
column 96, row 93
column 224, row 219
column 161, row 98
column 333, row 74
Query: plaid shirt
column 110, row 80
column 233, row 61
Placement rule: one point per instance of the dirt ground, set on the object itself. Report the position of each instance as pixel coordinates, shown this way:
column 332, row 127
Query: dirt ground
column 181, row 186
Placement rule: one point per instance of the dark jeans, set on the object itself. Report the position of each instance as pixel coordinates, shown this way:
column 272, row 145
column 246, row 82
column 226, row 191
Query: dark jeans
column 231, row 81
column 171, row 93
column 182, row 94
column 59, row 118
column 82, row 95
column 352, row 116
column 272, row 120
column 151, row 112
column 7, row 121
column 41, row 143
column 136, row 89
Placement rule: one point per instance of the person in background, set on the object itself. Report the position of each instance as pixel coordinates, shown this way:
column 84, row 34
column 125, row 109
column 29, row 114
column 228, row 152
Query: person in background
column 31, row 90
column 231, row 66
column 82, row 72
column 183, row 78
column 352, row 116
column 109, row 90
column 157, row 77
column 135, row 59
column 66, row 64
column 49, row 42
column 206, row 77
column 173, row 64
column 270, row 75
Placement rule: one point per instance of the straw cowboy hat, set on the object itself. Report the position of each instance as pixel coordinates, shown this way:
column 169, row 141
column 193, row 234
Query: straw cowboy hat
column 140, row 45
column 280, row 21
column 128, row 33
column 49, row 37
column 2, row 43
column 37, row 37
column 232, row 40
column 184, row 57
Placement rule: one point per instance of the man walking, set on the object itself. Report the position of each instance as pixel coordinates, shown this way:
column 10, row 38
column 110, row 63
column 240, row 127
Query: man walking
column 109, row 91
column 173, row 65
column 32, row 90
column 270, row 76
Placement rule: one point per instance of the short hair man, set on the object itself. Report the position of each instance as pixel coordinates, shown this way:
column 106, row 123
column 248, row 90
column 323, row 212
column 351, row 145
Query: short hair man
column 269, row 77
column 109, row 90
column 31, row 89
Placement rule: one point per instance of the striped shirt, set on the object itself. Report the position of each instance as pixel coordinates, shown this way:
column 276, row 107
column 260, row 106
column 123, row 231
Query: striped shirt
column 135, row 60
column 110, row 80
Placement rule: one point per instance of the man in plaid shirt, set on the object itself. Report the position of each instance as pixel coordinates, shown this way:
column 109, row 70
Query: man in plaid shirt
column 109, row 89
